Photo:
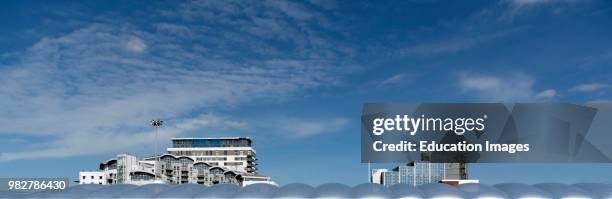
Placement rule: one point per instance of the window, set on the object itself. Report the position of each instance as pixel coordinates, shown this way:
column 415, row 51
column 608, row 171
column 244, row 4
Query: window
column 100, row 177
column 92, row 177
column 83, row 177
column 233, row 164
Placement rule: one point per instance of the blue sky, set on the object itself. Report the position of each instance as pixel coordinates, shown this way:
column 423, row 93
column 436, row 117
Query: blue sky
column 81, row 80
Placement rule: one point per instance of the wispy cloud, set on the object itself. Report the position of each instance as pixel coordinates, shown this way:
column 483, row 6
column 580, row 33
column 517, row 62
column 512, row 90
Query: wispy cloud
column 210, row 121
column 301, row 127
column 589, row 87
column 326, row 4
column 510, row 9
column 447, row 46
column 106, row 80
column 392, row 80
column 599, row 101
column 602, row 59
column 546, row 94
column 267, row 25
column 466, row 35
column 291, row 9
column 507, row 88
column 493, row 22
column 115, row 140
column 523, row 3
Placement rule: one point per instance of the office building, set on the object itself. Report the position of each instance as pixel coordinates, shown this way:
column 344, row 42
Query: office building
column 418, row 173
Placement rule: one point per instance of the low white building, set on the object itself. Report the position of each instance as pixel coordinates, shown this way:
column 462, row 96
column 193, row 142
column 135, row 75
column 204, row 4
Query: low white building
column 377, row 176
column 92, row 177
column 455, row 182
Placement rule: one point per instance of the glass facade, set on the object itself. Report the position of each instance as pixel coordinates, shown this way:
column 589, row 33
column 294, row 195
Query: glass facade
column 212, row 152
column 211, row 142
column 121, row 167
column 390, row 178
column 417, row 173
column 140, row 176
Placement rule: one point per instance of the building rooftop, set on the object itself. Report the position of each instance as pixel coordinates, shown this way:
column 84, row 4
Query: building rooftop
column 210, row 138
column 211, row 142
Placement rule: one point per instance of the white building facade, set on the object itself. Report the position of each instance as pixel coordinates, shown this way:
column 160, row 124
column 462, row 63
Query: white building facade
column 189, row 160
column 377, row 176
column 418, row 173
column 234, row 153
column 92, row 177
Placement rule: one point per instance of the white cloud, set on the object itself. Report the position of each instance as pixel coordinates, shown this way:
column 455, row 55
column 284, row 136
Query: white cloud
column 135, row 44
column 589, row 87
column 546, row 94
column 298, row 127
column 506, row 88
